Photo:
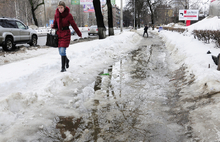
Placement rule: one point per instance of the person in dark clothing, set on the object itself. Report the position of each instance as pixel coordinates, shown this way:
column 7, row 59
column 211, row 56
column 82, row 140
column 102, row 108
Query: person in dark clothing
column 62, row 20
column 145, row 30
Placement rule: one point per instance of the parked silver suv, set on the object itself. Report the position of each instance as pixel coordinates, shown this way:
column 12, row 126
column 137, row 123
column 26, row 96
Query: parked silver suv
column 13, row 31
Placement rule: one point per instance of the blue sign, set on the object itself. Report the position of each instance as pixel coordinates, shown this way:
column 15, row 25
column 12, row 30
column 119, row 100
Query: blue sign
column 51, row 22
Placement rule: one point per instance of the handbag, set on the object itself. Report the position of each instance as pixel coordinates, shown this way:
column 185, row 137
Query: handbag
column 52, row 39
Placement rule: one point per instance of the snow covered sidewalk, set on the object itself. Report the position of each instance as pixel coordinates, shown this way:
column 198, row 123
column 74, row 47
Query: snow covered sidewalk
column 34, row 92
column 131, row 106
column 144, row 93
column 161, row 89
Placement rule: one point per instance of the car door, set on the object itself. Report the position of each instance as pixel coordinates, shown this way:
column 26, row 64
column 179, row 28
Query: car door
column 24, row 32
column 12, row 27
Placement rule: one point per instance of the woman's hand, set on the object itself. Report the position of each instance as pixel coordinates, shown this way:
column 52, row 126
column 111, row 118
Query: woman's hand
column 51, row 25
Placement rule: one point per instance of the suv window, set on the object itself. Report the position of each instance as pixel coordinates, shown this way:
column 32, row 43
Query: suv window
column 3, row 23
column 11, row 24
column 20, row 25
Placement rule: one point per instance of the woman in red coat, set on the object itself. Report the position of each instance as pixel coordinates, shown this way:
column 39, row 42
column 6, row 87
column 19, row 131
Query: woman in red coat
column 62, row 20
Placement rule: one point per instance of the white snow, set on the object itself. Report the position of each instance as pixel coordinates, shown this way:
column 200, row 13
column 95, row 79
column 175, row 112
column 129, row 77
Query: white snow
column 191, row 53
column 34, row 92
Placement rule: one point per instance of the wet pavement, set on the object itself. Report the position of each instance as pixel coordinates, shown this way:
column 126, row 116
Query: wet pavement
column 133, row 101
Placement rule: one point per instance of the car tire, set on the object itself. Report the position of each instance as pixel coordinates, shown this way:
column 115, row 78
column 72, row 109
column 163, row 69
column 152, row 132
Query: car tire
column 8, row 45
column 33, row 41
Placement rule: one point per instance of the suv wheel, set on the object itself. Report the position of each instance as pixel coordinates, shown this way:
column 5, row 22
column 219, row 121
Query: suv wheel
column 33, row 40
column 9, row 45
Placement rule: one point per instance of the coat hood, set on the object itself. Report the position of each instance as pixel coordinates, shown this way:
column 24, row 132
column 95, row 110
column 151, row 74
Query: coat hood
column 64, row 14
column 59, row 16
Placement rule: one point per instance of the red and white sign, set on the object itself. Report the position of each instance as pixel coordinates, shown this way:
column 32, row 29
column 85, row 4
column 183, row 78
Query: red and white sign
column 188, row 15
column 212, row 0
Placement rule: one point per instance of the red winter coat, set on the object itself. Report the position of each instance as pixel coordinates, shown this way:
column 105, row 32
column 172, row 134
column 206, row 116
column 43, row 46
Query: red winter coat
column 64, row 20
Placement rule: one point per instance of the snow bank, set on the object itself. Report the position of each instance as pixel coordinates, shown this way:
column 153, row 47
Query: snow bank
column 209, row 23
column 34, row 92
column 193, row 54
column 200, row 97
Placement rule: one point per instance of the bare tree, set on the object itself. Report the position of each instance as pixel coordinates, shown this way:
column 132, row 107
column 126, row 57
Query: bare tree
column 19, row 9
column 34, row 6
column 127, row 14
column 163, row 14
column 99, row 19
column 152, row 6
column 24, row 11
column 110, row 20
column 143, row 8
column 7, row 8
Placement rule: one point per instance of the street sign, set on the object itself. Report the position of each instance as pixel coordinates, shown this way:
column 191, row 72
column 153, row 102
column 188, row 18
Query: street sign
column 188, row 15
column 50, row 22
column 75, row 2
column 88, row 8
column 113, row 2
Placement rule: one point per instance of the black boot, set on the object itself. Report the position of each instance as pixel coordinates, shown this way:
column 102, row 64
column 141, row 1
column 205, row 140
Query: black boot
column 67, row 62
column 63, row 60
column 216, row 59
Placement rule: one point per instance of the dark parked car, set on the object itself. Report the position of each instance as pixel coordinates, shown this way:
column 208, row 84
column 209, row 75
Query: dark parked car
column 13, row 31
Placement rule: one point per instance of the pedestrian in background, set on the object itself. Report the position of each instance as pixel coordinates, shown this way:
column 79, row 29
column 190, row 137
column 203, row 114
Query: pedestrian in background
column 62, row 20
column 145, row 30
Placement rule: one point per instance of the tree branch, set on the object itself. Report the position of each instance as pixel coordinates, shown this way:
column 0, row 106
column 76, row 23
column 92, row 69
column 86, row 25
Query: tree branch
column 39, row 5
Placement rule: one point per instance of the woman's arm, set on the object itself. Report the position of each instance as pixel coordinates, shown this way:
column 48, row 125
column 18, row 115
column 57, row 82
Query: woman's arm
column 73, row 24
column 54, row 25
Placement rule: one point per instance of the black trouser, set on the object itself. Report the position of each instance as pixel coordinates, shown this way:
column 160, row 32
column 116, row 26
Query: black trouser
column 146, row 33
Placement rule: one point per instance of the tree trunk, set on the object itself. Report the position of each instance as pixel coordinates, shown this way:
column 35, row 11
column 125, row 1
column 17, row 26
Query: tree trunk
column 152, row 13
column 34, row 16
column 139, row 20
column 110, row 20
column 152, row 20
column 34, row 5
column 99, row 19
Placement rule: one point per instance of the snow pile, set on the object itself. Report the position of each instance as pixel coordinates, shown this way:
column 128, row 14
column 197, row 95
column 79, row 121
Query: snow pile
column 209, row 23
column 175, row 25
column 193, row 53
column 201, row 96
column 23, row 54
column 34, row 92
